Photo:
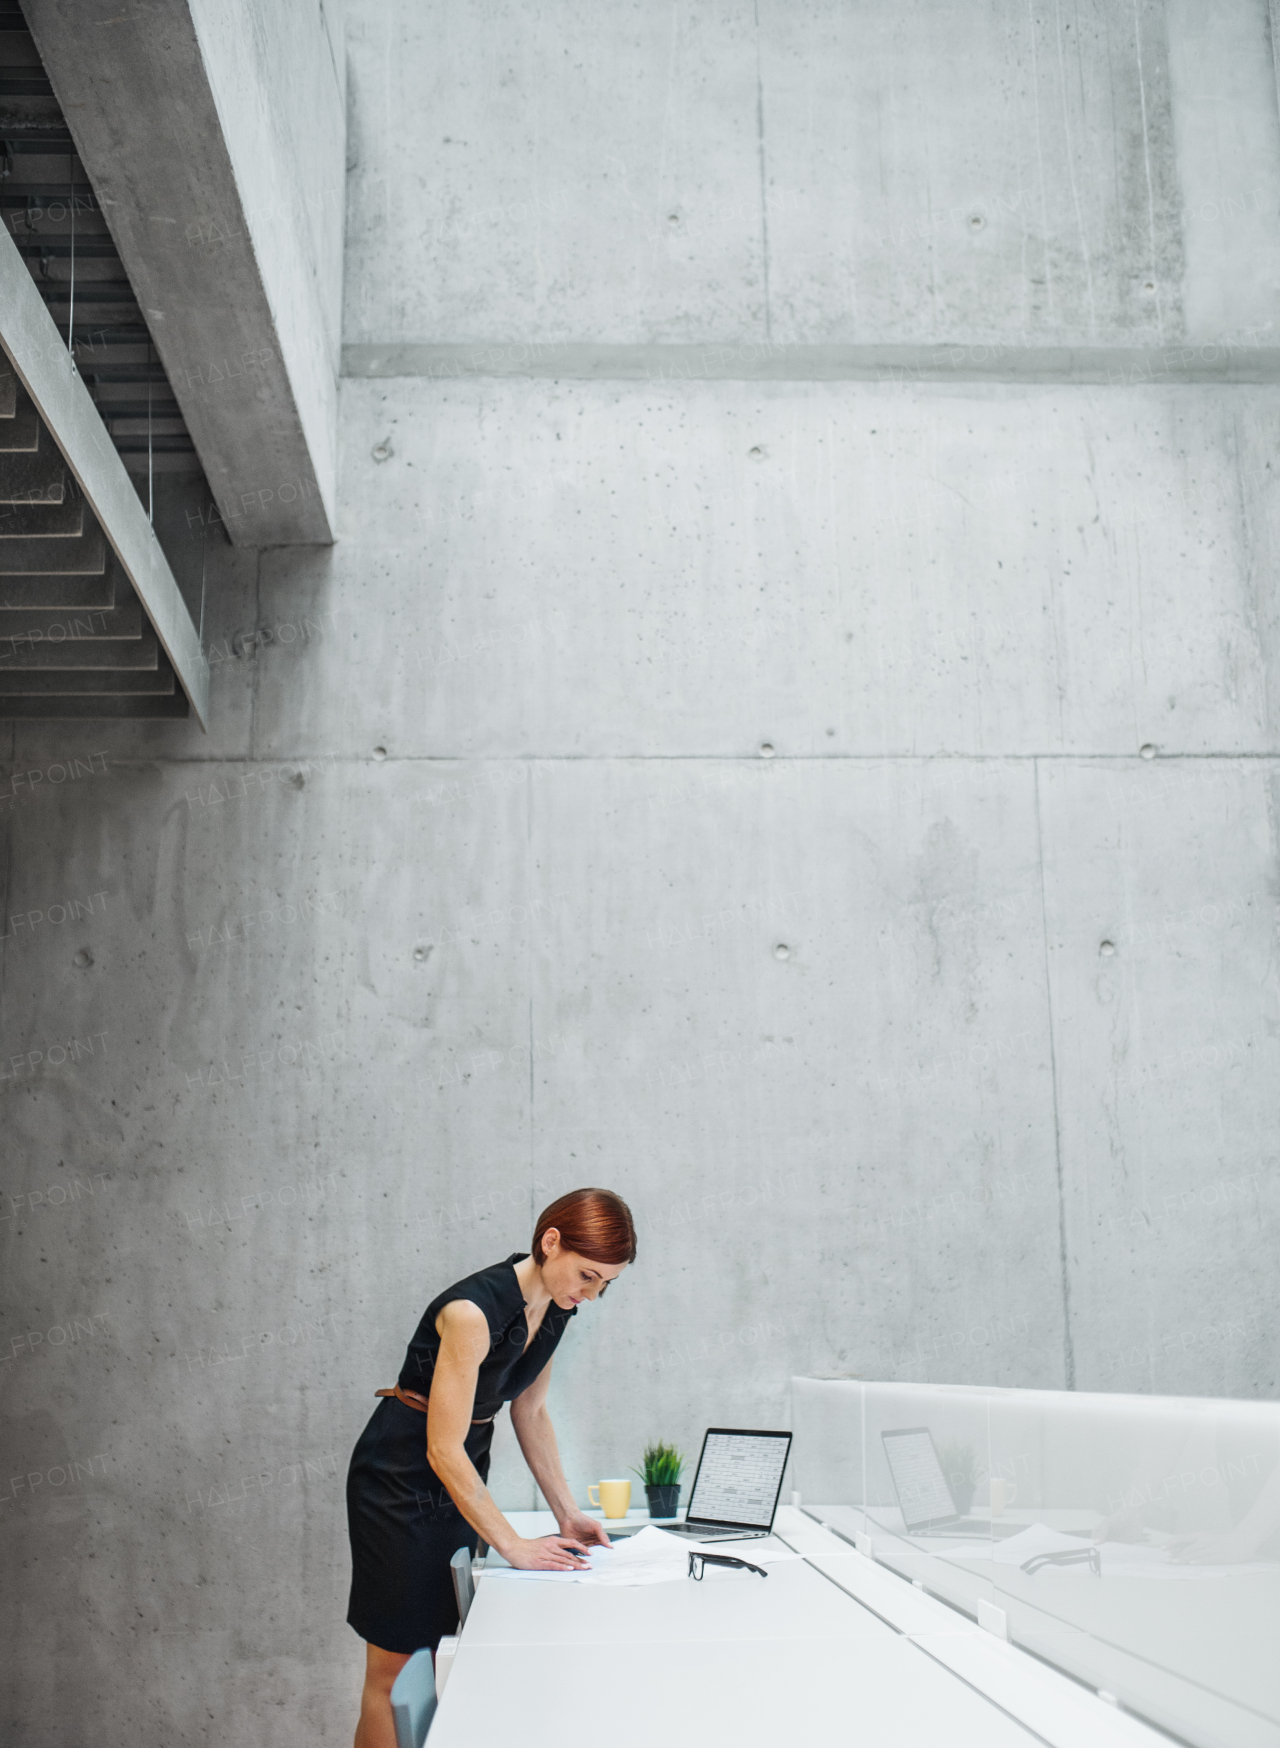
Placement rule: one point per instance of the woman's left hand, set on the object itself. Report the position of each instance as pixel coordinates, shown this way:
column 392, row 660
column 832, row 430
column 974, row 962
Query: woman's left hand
column 584, row 1529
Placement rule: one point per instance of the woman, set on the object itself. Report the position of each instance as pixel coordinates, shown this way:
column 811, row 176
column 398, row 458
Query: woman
column 416, row 1487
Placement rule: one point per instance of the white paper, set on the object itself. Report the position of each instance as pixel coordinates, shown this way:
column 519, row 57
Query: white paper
column 652, row 1556
column 649, row 1557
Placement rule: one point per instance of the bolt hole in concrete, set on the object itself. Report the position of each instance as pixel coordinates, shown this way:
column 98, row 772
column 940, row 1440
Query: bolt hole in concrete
column 766, row 749
column 782, row 951
column 421, row 955
column 383, row 451
column 673, row 218
column 379, row 753
column 83, row 958
column 976, row 222
column 1147, row 750
column 756, row 454
column 297, row 780
column 1107, row 949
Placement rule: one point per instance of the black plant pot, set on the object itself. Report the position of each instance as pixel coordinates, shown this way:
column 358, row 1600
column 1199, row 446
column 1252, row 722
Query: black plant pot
column 663, row 1501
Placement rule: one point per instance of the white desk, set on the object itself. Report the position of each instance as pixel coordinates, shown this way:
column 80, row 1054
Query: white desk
column 1208, row 1672
column 736, row 1658
column 884, row 1694
column 794, row 1602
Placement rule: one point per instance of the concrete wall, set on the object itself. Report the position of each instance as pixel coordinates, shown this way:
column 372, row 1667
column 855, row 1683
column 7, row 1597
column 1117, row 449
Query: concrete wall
column 886, row 172
column 723, row 791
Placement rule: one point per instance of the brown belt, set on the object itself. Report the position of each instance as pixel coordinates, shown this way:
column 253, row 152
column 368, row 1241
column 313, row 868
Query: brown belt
column 411, row 1399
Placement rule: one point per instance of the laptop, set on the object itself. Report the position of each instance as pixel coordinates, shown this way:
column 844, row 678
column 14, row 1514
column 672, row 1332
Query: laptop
column 924, row 1495
column 736, row 1487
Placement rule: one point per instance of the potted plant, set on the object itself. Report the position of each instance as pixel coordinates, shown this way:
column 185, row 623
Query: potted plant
column 960, row 1466
column 661, row 1468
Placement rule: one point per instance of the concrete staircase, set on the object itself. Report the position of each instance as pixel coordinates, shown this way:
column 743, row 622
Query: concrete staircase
column 52, row 213
column 74, row 640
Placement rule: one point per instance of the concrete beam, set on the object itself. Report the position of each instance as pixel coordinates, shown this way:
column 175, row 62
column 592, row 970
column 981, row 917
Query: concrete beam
column 1209, row 361
column 44, row 367
column 182, row 152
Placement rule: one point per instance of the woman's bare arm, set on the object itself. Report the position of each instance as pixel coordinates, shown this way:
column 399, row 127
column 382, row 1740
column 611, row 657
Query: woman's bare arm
column 537, row 1436
column 464, row 1343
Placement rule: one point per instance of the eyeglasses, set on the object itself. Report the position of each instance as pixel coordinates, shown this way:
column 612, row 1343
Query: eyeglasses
column 698, row 1561
column 1068, row 1557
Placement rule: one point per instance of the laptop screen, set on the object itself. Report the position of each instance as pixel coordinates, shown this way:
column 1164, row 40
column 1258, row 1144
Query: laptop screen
column 739, row 1477
column 917, row 1476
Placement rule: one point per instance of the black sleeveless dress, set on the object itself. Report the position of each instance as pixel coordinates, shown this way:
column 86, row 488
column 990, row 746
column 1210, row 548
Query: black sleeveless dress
column 404, row 1526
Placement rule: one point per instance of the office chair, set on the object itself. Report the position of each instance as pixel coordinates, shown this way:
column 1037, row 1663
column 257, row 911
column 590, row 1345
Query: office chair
column 413, row 1700
column 464, row 1585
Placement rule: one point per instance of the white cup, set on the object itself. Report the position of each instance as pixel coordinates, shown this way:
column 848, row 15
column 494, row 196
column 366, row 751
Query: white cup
column 1002, row 1493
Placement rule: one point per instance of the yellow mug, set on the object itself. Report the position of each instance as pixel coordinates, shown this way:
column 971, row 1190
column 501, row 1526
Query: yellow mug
column 614, row 1497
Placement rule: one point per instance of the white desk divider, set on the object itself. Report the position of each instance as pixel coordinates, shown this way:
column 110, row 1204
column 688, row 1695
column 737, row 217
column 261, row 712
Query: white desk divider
column 1132, row 1542
column 446, row 1651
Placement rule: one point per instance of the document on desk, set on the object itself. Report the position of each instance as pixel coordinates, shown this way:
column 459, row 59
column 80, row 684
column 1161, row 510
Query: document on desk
column 650, row 1557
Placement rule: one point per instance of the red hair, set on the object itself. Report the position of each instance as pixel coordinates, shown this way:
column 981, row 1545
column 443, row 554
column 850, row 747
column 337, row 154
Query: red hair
column 594, row 1224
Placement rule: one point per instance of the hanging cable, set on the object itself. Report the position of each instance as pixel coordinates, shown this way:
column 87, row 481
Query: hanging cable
column 204, row 560
column 151, row 507
column 71, row 317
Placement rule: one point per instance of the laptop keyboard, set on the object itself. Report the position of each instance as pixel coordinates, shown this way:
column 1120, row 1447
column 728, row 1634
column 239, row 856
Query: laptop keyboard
column 710, row 1534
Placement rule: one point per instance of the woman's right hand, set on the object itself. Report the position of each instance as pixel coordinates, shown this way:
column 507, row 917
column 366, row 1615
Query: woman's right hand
column 546, row 1554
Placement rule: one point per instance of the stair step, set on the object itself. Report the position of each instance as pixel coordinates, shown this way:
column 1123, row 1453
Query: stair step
column 47, row 196
column 42, row 521
column 89, row 293
column 41, row 683
column 50, row 246
column 96, row 624
column 34, row 479
column 75, row 555
column 20, row 434
column 24, row 84
column 137, row 654
column 56, row 594
column 68, row 709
